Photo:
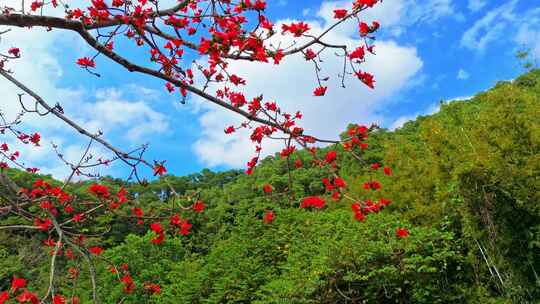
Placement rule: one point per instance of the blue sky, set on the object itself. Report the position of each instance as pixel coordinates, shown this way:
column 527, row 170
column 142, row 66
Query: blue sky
column 428, row 50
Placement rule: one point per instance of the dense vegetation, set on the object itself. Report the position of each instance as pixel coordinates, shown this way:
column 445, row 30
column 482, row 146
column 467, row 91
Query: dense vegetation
column 466, row 184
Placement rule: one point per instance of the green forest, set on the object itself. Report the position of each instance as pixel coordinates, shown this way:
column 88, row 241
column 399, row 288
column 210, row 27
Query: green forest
column 465, row 184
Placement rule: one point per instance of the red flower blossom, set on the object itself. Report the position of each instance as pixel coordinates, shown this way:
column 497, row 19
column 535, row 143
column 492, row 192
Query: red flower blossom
column 278, row 56
column 267, row 188
column 35, row 5
column 297, row 29
column 402, row 233
column 14, row 51
column 229, row 130
column 361, row 3
column 27, row 296
column 35, row 138
column 268, row 217
column 310, row 54
column 359, row 216
column 198, row 206
column 340, row 13
column 95, row 250
column 98, row 190
column 156, row 227
column 358, row 53
column 387, row 171
column 298, row 164
column 330, row 156
column 364, row 29
column 366, row 78
column 320, row 91
column 373, row 185
column 185, row 227
column 4, row 296
column 129, row 286
column 384, row 202
column 86, row 62
column 58, row 299
column 153, row 288
column 159, row 169
column 77, row 218
column 17, row 283
column 312, row 201
column 42, row 225
column 339, row 182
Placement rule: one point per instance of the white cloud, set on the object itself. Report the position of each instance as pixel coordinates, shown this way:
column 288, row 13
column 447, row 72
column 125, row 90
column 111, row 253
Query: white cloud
column 490, row 27
column 112, row 111
column 291, row 84
column 462, row 75
column 476, row 5
column 505, row 23
column 395, row 16
column 107, row 110
column 460, row 98
column 400, row 121
column 528, row 34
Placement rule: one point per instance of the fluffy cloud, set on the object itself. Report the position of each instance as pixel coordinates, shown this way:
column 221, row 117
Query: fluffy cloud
column 127, row 117
column 491, row 27
column 400, row 121
column 476, row 5
column 292, row 83
column 396, row 16
column 521, row 27
column 528, row 34
column 462, row 75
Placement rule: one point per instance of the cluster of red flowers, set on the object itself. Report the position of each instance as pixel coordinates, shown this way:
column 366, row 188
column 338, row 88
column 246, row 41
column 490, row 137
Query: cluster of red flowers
column 22, row 295
column 312, row 201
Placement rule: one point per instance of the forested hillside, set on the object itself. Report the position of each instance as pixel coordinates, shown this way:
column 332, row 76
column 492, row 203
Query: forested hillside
column 465, row 183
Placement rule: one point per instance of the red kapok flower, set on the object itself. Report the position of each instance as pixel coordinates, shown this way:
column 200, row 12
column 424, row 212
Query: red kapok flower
column 402, row 233
column 312, row 201
column 35, row 138
column 320, row 91
column 35, row 5
column 99, row 190
column 86, row 62
column 58, row 299
column 268, row 188
column 95, row 250
column 159, row 169
column 42, row 225
column 14, row 51
column 185, row 227
column 27, row 296
column 340, row 13
column 297, row 29
column 310, row 54
column 330, row 156
column 17, row 283
column 198, row 206
column 153, row 288
column 268, row 217
column 4, row 296
column 366, row 78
